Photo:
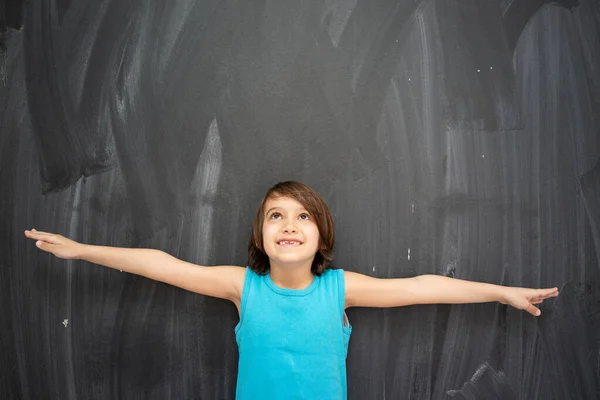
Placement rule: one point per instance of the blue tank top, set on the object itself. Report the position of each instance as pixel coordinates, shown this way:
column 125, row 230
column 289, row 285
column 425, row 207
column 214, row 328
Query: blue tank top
column 292, row 343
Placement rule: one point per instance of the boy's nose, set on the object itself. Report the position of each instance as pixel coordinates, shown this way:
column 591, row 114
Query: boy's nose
column 289, row 227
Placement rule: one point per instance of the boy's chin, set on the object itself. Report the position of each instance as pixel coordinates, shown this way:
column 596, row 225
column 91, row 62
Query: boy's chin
column 290, row 260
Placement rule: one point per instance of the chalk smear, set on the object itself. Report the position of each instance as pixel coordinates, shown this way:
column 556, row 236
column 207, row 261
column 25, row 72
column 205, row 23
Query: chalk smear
column 336, row 16
column 204, row 190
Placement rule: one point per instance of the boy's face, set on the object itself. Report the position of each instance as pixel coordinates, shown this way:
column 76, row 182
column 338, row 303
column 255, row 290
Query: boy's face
column 290, row 233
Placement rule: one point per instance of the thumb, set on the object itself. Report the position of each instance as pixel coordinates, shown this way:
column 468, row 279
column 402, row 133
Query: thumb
column 533, row 310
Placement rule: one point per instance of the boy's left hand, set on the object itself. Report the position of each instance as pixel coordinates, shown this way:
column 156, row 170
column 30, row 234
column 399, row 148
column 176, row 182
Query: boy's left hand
column 524, row 298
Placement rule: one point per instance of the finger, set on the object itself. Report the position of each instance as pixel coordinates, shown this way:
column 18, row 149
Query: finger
column 538, row 294
column 33, row 235
column 40, row 232
column 546, row 295
column 50, row 238
column 550, row 292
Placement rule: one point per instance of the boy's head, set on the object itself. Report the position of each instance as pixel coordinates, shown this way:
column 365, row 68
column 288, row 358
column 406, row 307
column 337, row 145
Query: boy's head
column 281, row 222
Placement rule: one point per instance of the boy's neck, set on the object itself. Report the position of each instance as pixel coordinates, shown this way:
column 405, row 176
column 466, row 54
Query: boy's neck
column 291, row 277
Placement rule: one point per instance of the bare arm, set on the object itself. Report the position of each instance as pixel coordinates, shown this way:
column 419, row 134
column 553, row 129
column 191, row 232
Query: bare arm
column 224, row 281
column 365, row 291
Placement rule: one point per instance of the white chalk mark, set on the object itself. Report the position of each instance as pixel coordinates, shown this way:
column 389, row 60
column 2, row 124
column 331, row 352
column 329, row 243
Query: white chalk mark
column 4, row 70
column 175, row 20
column 65, row 322
column 373, row 268
column 478, row 70
column 491, row 68
column 477, row 375
column 412, row 208
column 338, row 12
column 77, row 70
column 409, row 253
column 204, row 189
column 483, row 156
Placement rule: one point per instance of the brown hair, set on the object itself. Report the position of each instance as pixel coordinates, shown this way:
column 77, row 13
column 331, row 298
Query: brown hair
column 258, row 260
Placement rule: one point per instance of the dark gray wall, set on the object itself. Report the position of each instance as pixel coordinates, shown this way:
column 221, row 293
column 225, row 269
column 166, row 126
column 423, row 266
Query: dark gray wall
column 455, row 137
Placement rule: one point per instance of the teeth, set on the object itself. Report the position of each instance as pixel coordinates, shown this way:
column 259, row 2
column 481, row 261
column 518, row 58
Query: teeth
column 287, row 242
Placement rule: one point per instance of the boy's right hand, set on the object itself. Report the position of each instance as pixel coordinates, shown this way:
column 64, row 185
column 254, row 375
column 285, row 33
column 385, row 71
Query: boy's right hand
column 56, row 244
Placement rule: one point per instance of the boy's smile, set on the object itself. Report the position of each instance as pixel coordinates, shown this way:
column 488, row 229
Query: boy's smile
column 288, row 242
column 290, row 235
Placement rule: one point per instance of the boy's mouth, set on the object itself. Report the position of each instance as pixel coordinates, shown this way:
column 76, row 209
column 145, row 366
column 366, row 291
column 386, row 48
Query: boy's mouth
column 289, row 242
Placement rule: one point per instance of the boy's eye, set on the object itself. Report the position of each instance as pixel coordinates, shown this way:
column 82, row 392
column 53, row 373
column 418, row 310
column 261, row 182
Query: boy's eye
column 276, row 215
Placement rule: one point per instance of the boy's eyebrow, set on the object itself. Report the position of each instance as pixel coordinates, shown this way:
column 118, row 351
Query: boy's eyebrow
column 271, row 209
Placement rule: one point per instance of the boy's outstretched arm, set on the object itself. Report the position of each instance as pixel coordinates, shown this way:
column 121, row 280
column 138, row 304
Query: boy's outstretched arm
column 224, row 281
column 366, row 291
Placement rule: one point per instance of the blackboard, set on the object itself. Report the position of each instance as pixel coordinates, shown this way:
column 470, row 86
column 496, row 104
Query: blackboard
column 458, row 138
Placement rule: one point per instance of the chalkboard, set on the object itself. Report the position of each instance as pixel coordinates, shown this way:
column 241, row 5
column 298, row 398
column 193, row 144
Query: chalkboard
column 459, row 138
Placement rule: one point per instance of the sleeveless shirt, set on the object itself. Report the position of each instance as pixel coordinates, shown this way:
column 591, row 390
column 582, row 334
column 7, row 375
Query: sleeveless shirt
column 292, row 343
